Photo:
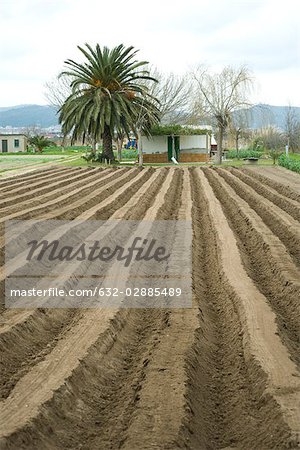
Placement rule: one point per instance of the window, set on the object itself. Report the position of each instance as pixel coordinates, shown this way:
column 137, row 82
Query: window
column 17, row 143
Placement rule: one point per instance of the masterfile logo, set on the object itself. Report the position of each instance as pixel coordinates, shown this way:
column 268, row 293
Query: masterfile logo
column 139, row 250
column 83, row 264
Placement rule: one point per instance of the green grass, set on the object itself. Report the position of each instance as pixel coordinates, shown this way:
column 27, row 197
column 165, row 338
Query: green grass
column 80, row 162
column 294, row 156
column 16, row 161
column 63, row 150
column 49, row 151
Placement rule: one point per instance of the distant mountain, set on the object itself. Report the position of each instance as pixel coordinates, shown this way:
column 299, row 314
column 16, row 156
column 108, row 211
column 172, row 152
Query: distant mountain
column 46, row 116
column 260, row 116
column 28, row 116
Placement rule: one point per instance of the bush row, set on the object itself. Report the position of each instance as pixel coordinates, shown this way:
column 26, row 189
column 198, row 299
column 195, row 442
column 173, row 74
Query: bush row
column 289, row 163
column 243, row 154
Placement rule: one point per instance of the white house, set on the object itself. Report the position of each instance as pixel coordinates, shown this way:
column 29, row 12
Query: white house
column 186, row 144
column 12, row 143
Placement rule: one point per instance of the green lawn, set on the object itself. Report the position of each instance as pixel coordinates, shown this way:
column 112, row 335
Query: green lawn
column 294, row 156
column 15, row 162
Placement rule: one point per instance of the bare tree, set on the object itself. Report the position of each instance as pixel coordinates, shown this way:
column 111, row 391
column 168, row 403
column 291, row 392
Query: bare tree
column 292, row 129
column 239, row 126
column 57, row 90
column 32, row 131
column 173, row 93
column 274, row 141
column 218, row 95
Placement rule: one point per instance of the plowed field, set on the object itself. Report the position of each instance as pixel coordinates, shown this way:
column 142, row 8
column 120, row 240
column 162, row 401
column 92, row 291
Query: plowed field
column 223, row 374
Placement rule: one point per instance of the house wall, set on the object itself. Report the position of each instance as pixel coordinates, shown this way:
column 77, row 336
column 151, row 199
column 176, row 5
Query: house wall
column 11, row 144
column 156, row 144
column 193, row 148
column 194, row 144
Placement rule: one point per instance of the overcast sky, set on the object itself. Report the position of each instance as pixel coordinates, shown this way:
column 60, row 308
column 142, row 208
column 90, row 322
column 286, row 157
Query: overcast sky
column 37, row 36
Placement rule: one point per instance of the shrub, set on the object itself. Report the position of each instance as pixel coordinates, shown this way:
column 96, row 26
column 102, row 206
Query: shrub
column 97, row 157
column 288, row 163
column 129, row 154
column 88, row 156
column 232, row 154
column 275, row 154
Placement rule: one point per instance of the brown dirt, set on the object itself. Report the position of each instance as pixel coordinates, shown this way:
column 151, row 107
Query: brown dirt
column 288, row 205
column 36, row 196
column 226, row 390
column 281, row 224
column 273, row 177
column 215, row 376
column 265, row 260
column 31, row 184
column 30, row 339
column 20, row 180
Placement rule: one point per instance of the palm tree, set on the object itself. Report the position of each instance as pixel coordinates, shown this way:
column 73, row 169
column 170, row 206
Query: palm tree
column 108, row 96
column 40, row 142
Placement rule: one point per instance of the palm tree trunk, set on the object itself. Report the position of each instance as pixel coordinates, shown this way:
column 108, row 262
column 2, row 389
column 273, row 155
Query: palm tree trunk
column 119, row 147
column 107, row 144
column 94, row 147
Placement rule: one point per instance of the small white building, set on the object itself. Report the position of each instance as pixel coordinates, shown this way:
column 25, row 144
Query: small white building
column 186, row 144
column 13, row 143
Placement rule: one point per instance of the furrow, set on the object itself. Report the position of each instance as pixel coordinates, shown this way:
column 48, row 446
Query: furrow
column 15, row 181
column 112, row 194
column 274, row 181
column 65, row 198
column 51, row 208
column 30, row 341
column 291, row 207
column 282, row 224
column 53, row 190
column 108, row 188
column 86, row 344
column 160, row 405
column 266, row 262
column 242, row 389
column 19, row 186
column 30, row 188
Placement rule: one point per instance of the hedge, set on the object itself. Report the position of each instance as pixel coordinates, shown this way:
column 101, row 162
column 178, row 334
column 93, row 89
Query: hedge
column 177, row 130
column 288, row 163
column 231, row 154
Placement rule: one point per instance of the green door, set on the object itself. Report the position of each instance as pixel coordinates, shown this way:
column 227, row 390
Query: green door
column 4, row 145
column 177, row 147
column 170, row 147
column 173, row 140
